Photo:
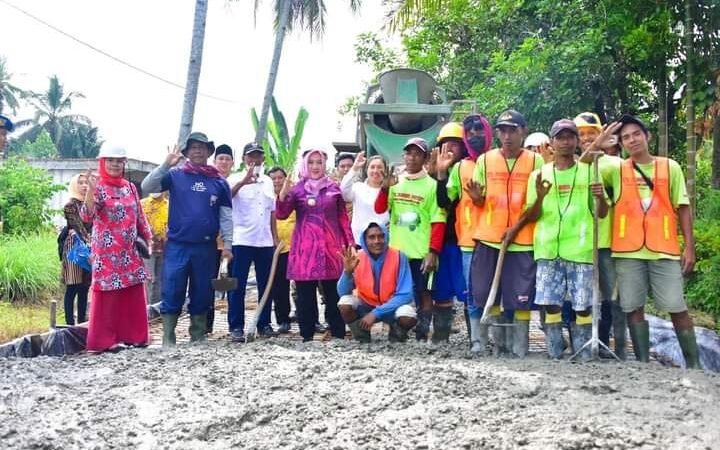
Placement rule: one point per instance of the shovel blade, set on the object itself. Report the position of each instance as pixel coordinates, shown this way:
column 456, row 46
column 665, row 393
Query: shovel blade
column 224, row 284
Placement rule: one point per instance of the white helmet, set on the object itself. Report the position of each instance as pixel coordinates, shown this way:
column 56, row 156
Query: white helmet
column 112, row 151
column 536, row 139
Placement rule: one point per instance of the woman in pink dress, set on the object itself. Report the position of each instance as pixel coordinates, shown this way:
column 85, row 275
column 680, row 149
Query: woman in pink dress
column 117, row 312
column 321, row 232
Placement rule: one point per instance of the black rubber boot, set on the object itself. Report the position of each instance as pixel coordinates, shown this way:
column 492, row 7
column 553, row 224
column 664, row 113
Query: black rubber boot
column 479, row 336
column 498, row 335
column 169, row 323
column 442, row 322
column 198, row 327
column 554, row 340
column 423, row 325
column 521, row 338
column 358, row 333
column 640, row 335
column 689, row 347
column 210, row 321
column 397, row 333
column 619, row 331
column 466, row 314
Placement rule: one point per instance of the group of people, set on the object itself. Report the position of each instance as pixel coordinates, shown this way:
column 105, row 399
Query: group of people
column 400, row 248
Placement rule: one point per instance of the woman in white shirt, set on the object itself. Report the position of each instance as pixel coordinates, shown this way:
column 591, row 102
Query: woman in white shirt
column 362, row 194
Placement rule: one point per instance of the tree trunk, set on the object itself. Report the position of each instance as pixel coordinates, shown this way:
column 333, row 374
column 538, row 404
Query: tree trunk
column 194, row 66
column 689, row 92
column 716, row 146
column 272, row 76
column 662, row 112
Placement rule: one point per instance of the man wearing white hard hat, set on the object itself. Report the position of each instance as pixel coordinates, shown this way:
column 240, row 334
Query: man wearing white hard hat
column 200, row 207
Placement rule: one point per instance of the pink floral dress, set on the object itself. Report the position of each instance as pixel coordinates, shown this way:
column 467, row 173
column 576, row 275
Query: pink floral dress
column 118, row 219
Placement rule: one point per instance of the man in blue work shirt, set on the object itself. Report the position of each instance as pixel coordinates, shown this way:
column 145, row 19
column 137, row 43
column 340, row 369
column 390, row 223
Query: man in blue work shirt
column 200, row 206
column 376, row 286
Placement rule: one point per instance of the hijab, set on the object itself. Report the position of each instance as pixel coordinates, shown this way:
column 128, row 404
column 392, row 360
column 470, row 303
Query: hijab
column 313, row 187
column 74, row 187
column 118, row 181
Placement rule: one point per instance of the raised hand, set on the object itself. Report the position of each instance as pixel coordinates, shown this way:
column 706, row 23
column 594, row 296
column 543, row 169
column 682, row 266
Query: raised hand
column 92, row 183
column 174, row 156
column 476, row 192
column 287, row 187
column 431, row 164
column 359, row 161
column 542, row 187
column 389, row 180
column 547, row 152
column 350, row 259
column 444, row 160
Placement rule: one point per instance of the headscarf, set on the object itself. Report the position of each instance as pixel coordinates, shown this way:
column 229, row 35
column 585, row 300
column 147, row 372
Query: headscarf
column 74, row 187
column 313, row 187
column 118, row 181
column 208, row 171
column 487, row 133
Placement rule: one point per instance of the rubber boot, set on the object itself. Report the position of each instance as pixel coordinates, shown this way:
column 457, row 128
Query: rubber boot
column 423, row 325
column 499, row 336
column 554, row 340
column 619, row 331
column 442, row 322
column 397, row 333
column 640, row 335
column 169, row 323
column 198, row 327
column 688, row 344
column 466, row 314
column 478, row 336
column 210, row 321
column 358, row 333
column 581, row 334
column 521, row 338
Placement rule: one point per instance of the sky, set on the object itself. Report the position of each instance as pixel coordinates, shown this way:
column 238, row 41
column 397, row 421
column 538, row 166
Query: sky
column 134, row 110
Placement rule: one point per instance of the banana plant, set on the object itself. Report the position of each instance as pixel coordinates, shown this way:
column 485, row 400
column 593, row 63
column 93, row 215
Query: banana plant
column 280, row 148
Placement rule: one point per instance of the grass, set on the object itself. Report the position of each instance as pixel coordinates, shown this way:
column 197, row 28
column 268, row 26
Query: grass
column 29, row 267
column 19, row 319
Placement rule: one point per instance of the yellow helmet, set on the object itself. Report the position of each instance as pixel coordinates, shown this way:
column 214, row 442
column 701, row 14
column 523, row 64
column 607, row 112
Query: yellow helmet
column 589, row 120
column 450, row 130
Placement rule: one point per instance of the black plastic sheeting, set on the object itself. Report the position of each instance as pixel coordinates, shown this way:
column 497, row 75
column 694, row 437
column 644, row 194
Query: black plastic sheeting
column 665, row 346
column 65, row 341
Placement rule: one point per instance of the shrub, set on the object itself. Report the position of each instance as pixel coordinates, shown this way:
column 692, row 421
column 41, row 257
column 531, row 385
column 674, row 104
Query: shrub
column 29, row 267
column 24, row 195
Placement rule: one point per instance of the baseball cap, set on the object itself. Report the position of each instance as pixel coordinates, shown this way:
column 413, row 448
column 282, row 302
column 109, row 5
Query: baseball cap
column 418, row 142
column 7, row 124
column 252, row 147
column 511, row 118
column 562, row 125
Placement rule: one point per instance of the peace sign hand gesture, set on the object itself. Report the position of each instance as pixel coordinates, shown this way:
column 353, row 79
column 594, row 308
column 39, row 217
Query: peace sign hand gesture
column 174, row 156
column 359, row 161
column 287, row 187
column 350, row 259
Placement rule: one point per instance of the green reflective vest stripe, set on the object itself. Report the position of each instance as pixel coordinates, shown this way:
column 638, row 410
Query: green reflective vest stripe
column 566, row 234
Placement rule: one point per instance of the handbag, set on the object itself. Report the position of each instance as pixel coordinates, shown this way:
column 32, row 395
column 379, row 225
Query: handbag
column 79, row 254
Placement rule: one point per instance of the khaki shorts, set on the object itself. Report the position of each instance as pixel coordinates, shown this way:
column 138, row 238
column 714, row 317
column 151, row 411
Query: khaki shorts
column 635, row 277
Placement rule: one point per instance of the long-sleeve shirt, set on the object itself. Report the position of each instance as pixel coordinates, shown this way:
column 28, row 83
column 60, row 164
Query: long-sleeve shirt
column 403, row 292
column 363, row 197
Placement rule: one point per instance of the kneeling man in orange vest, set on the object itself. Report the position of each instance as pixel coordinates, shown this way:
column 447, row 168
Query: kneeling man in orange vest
column 376, row 286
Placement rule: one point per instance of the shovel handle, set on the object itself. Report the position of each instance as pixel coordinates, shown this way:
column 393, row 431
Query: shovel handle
column 223, row 267
column 495, row 283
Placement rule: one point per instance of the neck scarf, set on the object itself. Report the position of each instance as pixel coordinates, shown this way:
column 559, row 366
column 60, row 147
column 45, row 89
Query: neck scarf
column 208, row 171
column 312, row 186
column 108, row 179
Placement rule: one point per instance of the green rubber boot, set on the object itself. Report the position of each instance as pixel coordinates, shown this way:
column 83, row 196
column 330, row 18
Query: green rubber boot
column 640, row 335
column 499, row 335
column 169, row 323
column 198, row 327
column 442, row 322
column 689, row 347
column 619, row 330
column 478, row 336
column 358, row 333
column 521, row 338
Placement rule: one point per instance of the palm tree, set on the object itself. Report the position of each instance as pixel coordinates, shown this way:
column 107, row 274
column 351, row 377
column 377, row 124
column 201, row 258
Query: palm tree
column 403, row 14
column 194, row 66
column 52, row 113
column 309, row 15
column 10, row 94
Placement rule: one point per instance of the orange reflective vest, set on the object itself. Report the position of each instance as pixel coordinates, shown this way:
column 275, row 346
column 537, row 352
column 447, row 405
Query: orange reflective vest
column 365, row 280
column 505, row 195
column 655, row 228
column 466, row 213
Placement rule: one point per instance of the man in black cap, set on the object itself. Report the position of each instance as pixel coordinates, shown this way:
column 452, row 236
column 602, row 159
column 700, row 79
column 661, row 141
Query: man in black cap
column 6, row 126
column 200, row 207
column 254, row 238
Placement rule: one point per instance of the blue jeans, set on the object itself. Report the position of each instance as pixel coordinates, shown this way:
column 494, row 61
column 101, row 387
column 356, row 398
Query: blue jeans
column 473, row 310
column 194, row 263
column 243, row 256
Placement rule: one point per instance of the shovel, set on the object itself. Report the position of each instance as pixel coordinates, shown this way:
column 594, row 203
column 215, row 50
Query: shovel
column 495, row 285
column 223, row 283
column 252, row 333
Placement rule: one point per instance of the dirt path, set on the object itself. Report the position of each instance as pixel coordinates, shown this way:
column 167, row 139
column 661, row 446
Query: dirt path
column 280, row 394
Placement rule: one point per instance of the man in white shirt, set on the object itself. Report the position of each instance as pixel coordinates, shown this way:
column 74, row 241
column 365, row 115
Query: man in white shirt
column 254, row 236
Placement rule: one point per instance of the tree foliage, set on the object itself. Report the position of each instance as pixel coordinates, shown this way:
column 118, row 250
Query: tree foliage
column 24, row 194
column 10, row 95
column 41, row 147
